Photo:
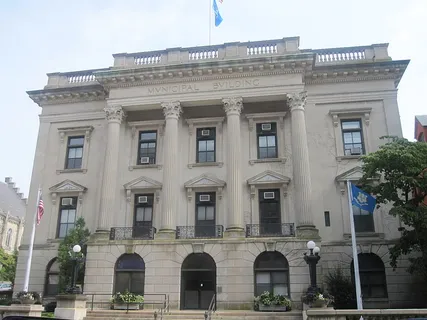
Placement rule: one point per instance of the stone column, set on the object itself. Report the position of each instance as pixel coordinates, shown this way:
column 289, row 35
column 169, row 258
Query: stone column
column 171, row 190
column 233, row 107
column 301, row 167
column 114, row 115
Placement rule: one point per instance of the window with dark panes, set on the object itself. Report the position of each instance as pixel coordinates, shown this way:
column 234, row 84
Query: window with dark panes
column 52, row 278
column 67, row 216
column 147, row 147
column 267, row 140
column 271, row 270
column 373, row 279
column 143, row 218
column 130, row 274
column 363, row 220
column 270, row 212
column 206, row 145
column 352, row 137
column 205, row 214
column 74, row 152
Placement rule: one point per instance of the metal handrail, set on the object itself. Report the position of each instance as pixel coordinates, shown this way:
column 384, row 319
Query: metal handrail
column 108, row 302
column 163, row 310
column 211, row 309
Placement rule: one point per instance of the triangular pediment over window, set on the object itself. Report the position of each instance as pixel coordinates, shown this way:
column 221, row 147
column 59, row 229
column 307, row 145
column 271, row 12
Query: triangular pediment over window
column 143, row 183
column 204, row 181
column 269, row 177
column 67, row 186
column 354, row 174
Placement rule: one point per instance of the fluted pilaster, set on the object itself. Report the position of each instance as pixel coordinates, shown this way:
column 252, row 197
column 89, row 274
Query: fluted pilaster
column 301, row 165
column 114, row 115
column 170, row 192
column 233, row 107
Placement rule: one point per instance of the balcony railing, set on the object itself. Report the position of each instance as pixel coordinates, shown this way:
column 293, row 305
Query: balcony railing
column 132, row 233
column 270, row 230
column 199, row 232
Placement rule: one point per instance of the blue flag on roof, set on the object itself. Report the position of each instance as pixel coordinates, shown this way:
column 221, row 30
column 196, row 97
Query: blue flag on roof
column 362, row 200
column 218, row 18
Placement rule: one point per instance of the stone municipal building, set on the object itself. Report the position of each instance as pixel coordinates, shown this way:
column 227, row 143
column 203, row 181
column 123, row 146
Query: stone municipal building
column 202, row 172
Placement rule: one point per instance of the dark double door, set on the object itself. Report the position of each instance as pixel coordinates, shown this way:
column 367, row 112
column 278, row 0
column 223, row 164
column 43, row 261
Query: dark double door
column 269, row 212
column 198, row 281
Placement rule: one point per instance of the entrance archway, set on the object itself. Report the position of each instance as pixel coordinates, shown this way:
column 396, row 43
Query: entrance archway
column 198, row 281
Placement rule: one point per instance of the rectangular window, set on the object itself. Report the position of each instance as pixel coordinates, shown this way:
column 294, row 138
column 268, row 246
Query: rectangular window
column 269, row 212
column 206, row 145
column 143, row 218
column 147, row 147
column 205, row 214
column 267, row 140
column 74, row 152
column 327, row 219
column 363, row 220
column 352, row 137
column 67, row 215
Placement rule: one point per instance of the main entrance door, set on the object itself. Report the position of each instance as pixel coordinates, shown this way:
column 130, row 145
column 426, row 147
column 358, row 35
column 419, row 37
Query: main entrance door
column 198, row 281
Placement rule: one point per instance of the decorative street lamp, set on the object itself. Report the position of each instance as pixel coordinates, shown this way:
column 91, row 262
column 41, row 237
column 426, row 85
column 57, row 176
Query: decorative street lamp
column 312, row 259
column 76, row 257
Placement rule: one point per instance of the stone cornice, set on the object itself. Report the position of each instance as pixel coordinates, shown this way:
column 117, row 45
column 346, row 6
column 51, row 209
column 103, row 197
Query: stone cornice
column 68, row 94
column 357, row 72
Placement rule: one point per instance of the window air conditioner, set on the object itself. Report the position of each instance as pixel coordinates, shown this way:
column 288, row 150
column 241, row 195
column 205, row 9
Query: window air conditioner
column 145, row 160
column 355, row 151
column 142, row 199
column 205, row 132
column 67, row 201
column 269, row 195
column 266, row 126
column 205, row 197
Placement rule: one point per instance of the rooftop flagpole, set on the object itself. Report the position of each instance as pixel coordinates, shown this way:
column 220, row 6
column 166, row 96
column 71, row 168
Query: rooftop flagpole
column 30, row 249
column 354, row 247
column 210, row 21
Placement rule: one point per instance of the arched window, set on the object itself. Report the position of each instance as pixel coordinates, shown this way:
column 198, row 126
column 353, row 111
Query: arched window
column 130, row 274
column 51, row 287
column 8, row 237
column 372, row 276
column 271, row 270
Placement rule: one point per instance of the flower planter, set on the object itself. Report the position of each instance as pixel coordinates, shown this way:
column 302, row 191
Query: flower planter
column 125, row 306
column 27, row 301
column 319, row 304
column 273, row 308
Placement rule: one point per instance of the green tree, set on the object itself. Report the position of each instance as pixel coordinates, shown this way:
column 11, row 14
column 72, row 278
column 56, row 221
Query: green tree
column 402, row 167
column 79, row 235
column 8, row 265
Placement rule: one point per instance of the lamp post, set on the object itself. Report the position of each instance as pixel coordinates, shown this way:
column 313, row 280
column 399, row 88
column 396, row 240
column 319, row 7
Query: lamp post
column 76, row 257
column 312, row 259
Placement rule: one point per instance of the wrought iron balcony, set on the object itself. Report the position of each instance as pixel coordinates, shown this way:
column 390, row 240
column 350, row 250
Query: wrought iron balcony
column 199, row 232
column 132, row 233
column 270, row 230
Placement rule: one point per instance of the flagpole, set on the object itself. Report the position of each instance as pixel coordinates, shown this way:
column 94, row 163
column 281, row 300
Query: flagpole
column 210, row 21
column 354, row 247
column 30, row 249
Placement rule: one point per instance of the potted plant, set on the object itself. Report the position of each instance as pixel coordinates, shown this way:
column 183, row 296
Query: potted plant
column 317, row 299
column 26, row 297
column 269, row 301
column 127, row 301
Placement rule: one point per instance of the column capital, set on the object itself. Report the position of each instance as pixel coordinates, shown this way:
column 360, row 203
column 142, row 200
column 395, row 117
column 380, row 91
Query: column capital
column 172, row 109
column 233, row 105
column 296, row 101
column 114, row 113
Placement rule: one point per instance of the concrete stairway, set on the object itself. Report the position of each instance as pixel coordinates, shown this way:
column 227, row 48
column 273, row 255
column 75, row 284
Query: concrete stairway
column 192, row 315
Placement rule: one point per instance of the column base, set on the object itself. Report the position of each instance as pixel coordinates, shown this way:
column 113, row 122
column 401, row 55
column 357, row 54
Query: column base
column 234, row 233
column 71, row 306
column 307, row 232
column 99, row 234
column 165, row 234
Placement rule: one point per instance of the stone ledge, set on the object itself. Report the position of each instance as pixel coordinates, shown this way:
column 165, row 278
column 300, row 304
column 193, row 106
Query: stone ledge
column 268, row 160
column 205, row 164
column 71, row 171
column 145, row 166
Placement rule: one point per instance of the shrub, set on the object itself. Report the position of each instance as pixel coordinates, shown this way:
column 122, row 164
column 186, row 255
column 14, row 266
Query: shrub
column 341, row 288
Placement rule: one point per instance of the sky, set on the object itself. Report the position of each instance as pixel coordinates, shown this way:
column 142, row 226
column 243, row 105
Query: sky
column 38, row 37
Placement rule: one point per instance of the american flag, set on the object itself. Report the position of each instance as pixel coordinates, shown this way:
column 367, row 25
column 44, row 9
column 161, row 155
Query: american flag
column 40, row 209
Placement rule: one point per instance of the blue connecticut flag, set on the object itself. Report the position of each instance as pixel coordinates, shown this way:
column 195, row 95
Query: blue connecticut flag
column 362, row 200
column 218, row 18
